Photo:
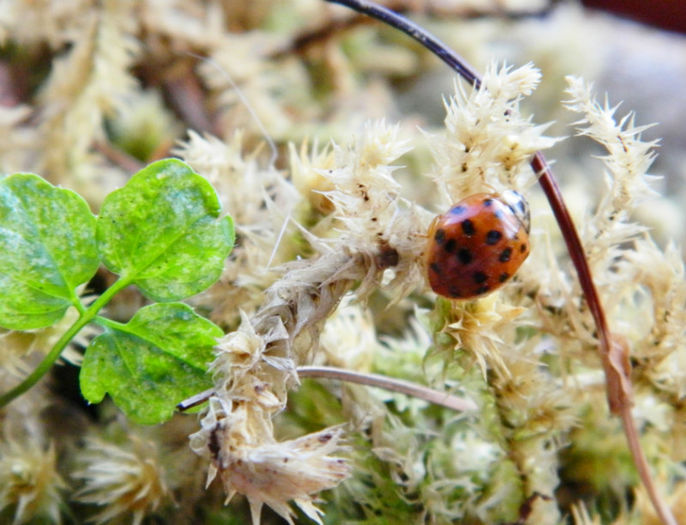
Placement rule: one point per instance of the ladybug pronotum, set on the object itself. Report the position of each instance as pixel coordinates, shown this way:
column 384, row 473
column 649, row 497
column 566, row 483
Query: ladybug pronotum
column 477, row 245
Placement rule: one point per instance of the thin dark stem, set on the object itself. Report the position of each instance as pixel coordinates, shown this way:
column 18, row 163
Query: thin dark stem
column 85, row 317
column 433, row 44
column 332, row 27
column 663, row 511
column 574, row 247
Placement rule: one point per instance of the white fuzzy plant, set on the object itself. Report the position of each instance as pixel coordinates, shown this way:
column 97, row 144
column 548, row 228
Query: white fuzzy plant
column 373, row 239
column 527, row 353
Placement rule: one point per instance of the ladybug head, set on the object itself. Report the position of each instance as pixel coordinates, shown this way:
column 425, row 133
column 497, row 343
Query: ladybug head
column 517, row 203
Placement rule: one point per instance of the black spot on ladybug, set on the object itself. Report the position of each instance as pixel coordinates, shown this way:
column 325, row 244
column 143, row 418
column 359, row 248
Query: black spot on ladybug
column 457, row 210
column 468, row 227
column 522, row 248
column 488, row 202
column 493, row 237
column 464, row 256
column 503, row 277
column 435, row 267
column 440, row 236
column 454, row 291
column 482, row 289
column 480, row 277
column 450, row 246
column 505, row 254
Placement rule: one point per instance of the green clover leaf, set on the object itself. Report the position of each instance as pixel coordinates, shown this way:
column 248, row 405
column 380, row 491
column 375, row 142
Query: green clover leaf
column 162, row 231
column 47, row 249
column 151, row 363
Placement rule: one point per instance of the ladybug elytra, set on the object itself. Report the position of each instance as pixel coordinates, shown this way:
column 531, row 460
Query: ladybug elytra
column 477, row 245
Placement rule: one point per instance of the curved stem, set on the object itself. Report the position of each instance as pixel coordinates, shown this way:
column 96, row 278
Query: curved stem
column 574, row 247
column 430, row 42
column 54, row 353
column 538, row 163
column 45, row 364
column 641, row 463
column 109, row 323
column 389, row 383
column 376, row 380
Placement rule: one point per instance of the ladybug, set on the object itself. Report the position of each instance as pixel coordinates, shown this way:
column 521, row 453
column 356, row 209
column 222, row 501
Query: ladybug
column 478, row 244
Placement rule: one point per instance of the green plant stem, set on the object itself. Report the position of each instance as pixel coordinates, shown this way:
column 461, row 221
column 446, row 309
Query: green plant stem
column 109, row 323
column 77, row 303
column 85, row 317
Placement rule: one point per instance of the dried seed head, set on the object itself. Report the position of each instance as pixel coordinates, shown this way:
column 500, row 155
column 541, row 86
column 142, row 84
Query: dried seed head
column 252, row 463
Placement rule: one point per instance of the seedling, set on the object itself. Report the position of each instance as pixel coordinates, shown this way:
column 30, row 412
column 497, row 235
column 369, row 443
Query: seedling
column 163, row 232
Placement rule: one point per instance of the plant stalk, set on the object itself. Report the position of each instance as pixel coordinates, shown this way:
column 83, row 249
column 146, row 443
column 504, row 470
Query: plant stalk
column 86, row 317
column 408, row 388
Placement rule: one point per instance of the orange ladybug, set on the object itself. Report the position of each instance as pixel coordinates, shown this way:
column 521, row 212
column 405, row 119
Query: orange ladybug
column 478, row 244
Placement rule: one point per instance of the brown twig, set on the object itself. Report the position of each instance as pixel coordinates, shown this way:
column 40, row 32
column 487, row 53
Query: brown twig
column 185, row 94
column 614, row 354
column 177, row 79
column 118, row 157
column 332, row 27
column 319, row 34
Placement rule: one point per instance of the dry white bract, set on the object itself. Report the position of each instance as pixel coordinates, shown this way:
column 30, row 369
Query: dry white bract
column 488, row 143
column 242, row 449
column 626, row 177
column 642, row 285
column 128, row 481
column 349, row 338
column 29, row 481
column 86, row 84
column 655, row 318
